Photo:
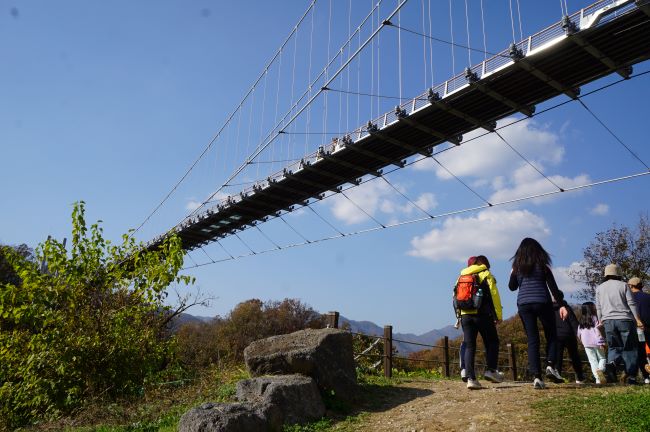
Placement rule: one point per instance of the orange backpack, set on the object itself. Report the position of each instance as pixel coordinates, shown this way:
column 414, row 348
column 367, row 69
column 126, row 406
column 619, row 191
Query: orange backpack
column 467, row 292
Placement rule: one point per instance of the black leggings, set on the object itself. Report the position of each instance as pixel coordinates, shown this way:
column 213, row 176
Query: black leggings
column 472, row 326
column 529, row 314
column 571, row 344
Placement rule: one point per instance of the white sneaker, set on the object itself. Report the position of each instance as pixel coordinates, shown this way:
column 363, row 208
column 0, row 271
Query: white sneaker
column 554, row 375
column 493, row 376
column 538, row 384
column 473, row 384
column 646, row 381
column 463, row 375
column 579, row 382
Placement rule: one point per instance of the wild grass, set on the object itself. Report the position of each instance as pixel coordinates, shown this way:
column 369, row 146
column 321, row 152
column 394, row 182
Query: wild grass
column 615, row 409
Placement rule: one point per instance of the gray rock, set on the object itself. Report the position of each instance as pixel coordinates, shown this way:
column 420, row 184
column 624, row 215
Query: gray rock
column 324, row 354
column 291, row 398
column 220, row 417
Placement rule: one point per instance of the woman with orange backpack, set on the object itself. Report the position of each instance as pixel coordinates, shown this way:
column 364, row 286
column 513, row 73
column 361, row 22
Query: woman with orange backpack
column 477, row 298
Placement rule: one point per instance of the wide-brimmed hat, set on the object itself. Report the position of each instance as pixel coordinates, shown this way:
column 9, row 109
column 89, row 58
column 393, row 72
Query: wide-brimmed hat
column 612, row 270
column 634, row 282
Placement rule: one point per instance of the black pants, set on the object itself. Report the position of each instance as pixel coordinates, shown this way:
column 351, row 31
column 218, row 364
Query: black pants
column 529, row 313
column 571, row 344
column 642, row 359
column 472, row 326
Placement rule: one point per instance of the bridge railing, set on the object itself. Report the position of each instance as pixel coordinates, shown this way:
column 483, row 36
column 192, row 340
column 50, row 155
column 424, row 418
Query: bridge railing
column 459, row 81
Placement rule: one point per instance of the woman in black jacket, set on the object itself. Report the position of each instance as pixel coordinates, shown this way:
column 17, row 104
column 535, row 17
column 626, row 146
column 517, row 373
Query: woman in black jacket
column 532, row 275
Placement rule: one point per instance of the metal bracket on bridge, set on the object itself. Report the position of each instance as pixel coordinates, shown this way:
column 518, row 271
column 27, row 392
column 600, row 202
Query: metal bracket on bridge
column 435, row 99
column 474, row 81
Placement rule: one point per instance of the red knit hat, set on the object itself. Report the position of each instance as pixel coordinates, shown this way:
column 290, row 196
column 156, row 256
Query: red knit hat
column 471, row 261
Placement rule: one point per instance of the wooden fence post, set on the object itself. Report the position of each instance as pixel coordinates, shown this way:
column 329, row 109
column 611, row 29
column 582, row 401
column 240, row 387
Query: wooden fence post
column 512, row 355
column 332, row 319
column 446, row 354
column 388, row 351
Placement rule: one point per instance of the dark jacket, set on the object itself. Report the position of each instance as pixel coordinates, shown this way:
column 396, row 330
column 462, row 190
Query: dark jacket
column 568, row 328
column 535, row 287
column 643, row 307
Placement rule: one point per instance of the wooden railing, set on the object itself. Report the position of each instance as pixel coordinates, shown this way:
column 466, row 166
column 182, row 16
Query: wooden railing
column 508, row 360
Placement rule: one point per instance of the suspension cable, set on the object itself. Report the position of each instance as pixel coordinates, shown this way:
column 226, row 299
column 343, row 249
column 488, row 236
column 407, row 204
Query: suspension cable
column 444, row 41
column 230, row 117
column 274, row 133
column 613, row 134
column 267, row 237
column 527, row 161
column 362, row 209
column 325, row 220
column 512, row 22
column 293, row 229
column 451, row 30
column 461, row 181
column 451, row 213
column 406, row 197
column 469, row 45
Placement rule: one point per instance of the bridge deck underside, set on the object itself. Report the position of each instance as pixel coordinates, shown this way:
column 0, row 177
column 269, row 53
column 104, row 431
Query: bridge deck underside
column 624, row 40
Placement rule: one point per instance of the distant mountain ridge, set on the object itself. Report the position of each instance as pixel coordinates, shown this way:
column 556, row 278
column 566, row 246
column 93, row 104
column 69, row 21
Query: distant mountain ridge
column 428, row 338
column 365, row 327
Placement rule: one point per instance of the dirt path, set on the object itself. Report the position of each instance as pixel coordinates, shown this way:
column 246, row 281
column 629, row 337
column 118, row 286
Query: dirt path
column 449, row 406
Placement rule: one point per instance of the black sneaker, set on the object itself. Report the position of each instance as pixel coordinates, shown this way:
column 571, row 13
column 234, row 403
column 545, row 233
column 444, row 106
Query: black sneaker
column 631, row 381
column 610, row 372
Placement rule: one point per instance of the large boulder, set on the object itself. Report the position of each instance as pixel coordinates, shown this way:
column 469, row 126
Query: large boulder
column 291, row 398
column 324, row 354
column 221, row 417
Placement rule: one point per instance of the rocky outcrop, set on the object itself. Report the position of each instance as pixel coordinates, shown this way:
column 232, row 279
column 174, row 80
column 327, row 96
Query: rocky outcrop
column 292, row 398
column 221, row 417
column 302, row 365
column 324, row 354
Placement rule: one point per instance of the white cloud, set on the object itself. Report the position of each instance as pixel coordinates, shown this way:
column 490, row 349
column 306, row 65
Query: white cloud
column 494, row 233
column 377, row 197
column 193, row 204
column 564, row 281
column 527, row 182
column 489, row 157
column 600, row 210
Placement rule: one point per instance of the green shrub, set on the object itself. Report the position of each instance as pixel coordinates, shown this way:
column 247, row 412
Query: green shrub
column 91, row 324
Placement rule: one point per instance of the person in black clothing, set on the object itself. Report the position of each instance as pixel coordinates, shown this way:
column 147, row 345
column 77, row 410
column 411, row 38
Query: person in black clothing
column 532, row 275
column 643, row 307
column 567, row 329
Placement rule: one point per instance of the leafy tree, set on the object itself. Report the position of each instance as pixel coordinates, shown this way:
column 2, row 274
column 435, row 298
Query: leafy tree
column 627, row 247
column 224, row 339
column 93, row 324
column 7, row 272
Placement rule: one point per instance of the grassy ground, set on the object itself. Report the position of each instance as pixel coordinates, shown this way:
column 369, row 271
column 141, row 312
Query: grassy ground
column 159, row 409
column 611, row 409
column 615, row 409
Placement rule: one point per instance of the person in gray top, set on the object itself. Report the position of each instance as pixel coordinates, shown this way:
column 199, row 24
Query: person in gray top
column 617, row 311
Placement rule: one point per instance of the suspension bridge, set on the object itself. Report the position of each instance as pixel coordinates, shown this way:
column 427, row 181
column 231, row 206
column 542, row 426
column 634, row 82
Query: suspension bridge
column 608, row 37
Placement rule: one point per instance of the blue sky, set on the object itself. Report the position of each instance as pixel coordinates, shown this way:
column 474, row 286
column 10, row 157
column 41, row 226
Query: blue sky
column 112, row 102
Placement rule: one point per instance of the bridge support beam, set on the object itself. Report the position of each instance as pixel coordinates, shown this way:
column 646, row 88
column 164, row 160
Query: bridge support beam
column 426, row 129
column 371, row 154
column 523, row 63
column 372, row 129
column 644, row 5
column 474, row 81
column 434, row 99
column 362, row 171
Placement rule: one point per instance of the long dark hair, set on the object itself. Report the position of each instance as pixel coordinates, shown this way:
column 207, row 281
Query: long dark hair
column 587, row 315
column 482, row 259
column 530, row 255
